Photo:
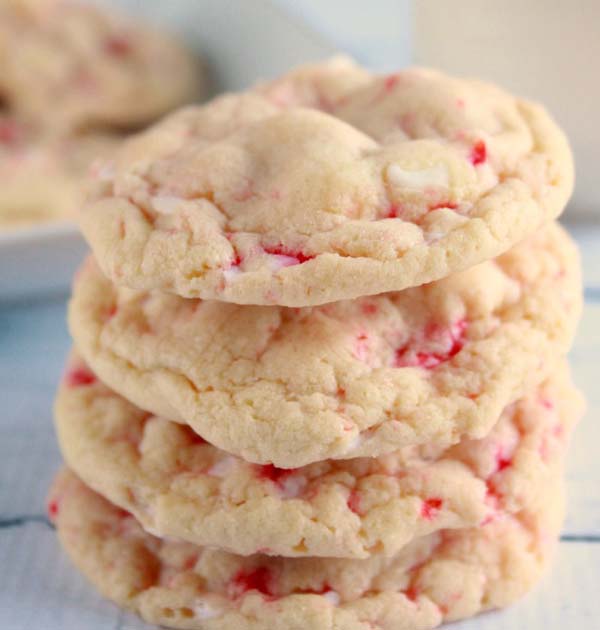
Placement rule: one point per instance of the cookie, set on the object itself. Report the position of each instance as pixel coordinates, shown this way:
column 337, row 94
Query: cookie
column 445, row 576
column 326, row 185
column 70, row 65
column 357, row 378
column 42, row 177
column 178, row 486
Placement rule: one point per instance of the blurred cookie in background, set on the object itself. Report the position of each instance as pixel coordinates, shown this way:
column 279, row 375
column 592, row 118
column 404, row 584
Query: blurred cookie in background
column 74, row 80
column 41, row 176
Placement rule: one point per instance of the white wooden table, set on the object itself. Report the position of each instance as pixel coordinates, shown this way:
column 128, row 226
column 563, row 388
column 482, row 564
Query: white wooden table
column 40, row 590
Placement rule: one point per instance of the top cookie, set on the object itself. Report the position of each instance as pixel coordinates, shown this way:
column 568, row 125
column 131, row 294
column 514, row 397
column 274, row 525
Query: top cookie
column 71, row 66
column 328, row 184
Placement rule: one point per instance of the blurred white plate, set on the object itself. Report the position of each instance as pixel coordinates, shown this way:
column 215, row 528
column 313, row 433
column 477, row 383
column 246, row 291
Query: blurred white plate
column 39, row 259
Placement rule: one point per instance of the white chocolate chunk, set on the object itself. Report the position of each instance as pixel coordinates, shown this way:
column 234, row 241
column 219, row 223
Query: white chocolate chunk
column 293, row 486
column 231, row 274
column 332, row 597
column 222, row 467
column 203, row 610
column 435, row 176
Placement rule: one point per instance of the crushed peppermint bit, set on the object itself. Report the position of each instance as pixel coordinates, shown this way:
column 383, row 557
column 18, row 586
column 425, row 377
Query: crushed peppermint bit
column 390, row 82
column 416, row 353
column 412, row 593
column 80, row 377
column 53, row 509
column 393, row 212
column 502, row 462
column 478, row 153
column 431, row 507
column 354, row 502
column 258, row 579
column 290, row 483
column 272, row 473
column 369, row 308
column 204, row 610
column 288, row 256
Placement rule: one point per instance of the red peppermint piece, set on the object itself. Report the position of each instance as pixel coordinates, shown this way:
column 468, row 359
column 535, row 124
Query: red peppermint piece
column 412, row 593
column 431, row 507
column 80, row 377
column 53, row 509
column 368, row 308
column 280, row 250
column 502, row 462
column 259, row 579
column 393, row 212
column 354, row 501
column 416, row 353
column 274, row 474
column 478, row 153
column 391, row 82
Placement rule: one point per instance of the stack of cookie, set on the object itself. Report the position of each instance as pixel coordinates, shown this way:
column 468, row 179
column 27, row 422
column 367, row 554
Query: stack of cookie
column 74, row 79
column 319, row 379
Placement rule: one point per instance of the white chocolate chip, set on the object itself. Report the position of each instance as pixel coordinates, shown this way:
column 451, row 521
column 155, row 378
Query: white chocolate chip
column 279, row 261
column 354, row 443
column 434, row 237
column 222, row 468
column 293, row 486
column 152, row 531
column 435, row 176
column 332, row 597
column 203, row 610
column 231, row 274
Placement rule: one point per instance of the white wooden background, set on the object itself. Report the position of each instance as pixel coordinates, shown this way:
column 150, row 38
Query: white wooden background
column 40, row 590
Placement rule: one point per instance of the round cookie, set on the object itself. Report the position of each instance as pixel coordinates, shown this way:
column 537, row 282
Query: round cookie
column 357, row 378
column 441, row 577
column 69, row 65
column 178, row 486
column 328, row 184
column 41, row 176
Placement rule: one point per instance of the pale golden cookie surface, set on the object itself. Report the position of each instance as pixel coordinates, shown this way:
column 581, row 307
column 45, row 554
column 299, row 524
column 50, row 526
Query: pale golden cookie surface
column 178, row 486
column 328, row 184
column 441, row 577
column 357, row 378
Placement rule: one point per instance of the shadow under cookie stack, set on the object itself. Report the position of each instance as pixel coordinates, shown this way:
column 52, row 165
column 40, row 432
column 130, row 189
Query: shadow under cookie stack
column 319, row 377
